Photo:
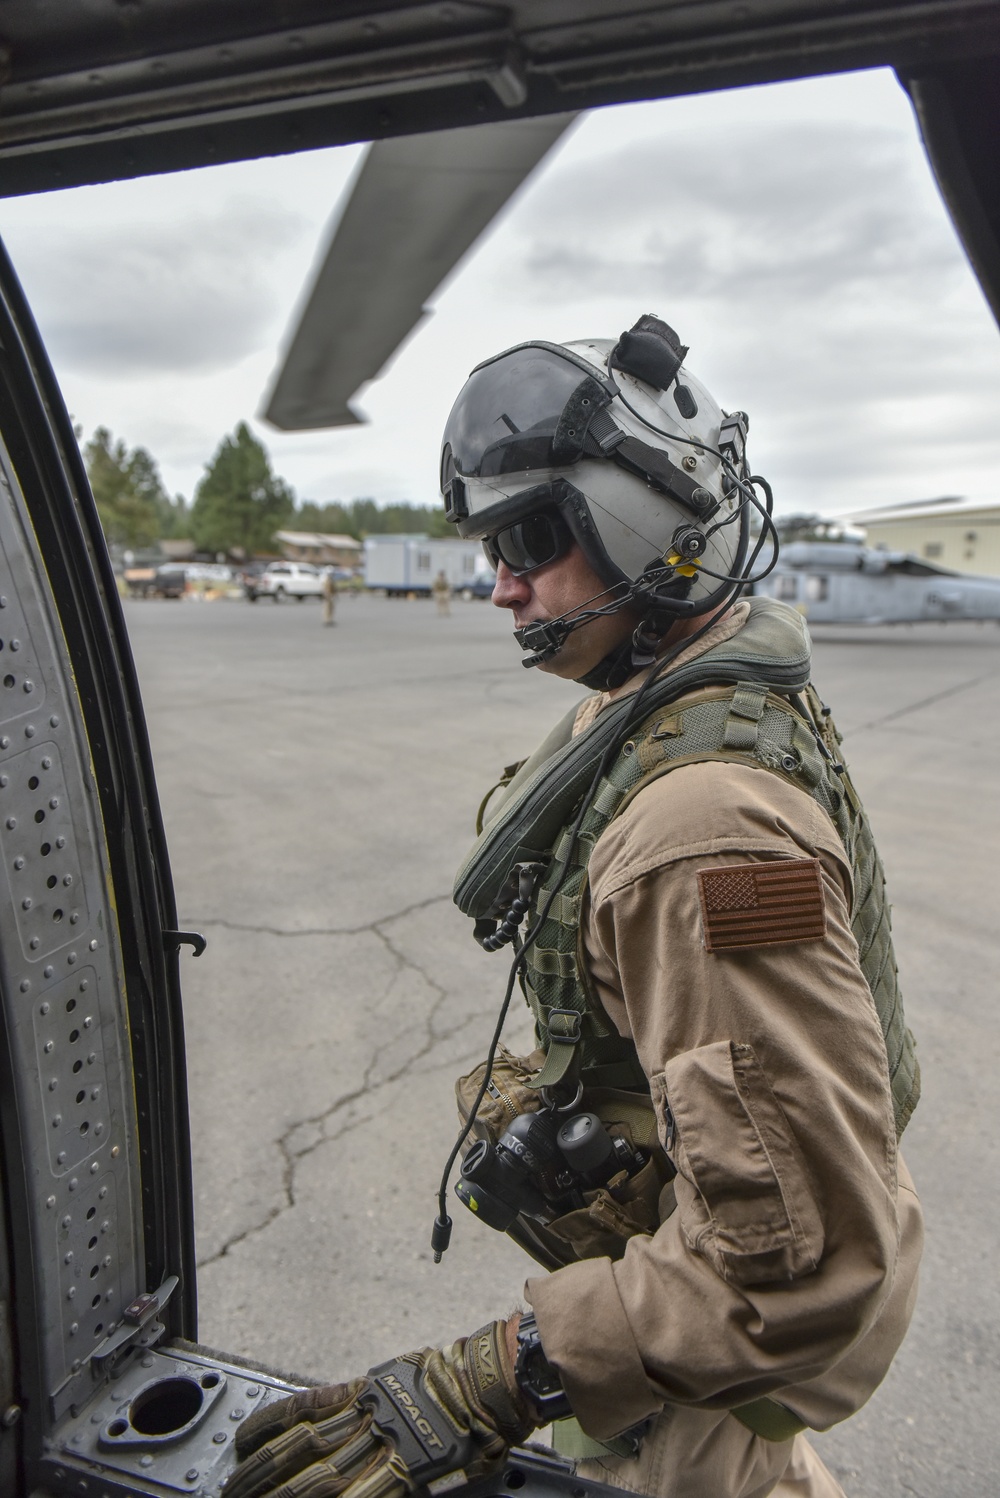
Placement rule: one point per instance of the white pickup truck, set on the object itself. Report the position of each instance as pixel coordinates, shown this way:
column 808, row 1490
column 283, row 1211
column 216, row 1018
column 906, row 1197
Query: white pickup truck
column 286, row 580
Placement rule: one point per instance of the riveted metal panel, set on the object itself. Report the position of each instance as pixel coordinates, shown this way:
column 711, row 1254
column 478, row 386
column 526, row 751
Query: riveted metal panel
column 61, row 977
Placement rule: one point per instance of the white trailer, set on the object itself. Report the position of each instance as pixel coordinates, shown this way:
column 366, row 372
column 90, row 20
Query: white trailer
column 399, row 565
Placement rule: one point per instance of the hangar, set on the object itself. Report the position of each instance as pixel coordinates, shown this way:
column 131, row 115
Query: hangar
column 961, row 534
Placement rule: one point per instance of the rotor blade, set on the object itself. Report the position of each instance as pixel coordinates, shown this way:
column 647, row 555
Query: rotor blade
column 418, row 204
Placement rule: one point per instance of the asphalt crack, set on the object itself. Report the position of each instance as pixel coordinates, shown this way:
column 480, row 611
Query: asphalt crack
column 316, row 1128
column 368, row 927
column 913, row 707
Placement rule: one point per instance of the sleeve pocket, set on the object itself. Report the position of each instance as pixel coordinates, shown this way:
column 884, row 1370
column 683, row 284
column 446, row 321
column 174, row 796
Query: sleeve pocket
column 743, row 1193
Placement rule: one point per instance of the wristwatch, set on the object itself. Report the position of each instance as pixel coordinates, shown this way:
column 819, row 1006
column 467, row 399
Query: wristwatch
column 536, row 1378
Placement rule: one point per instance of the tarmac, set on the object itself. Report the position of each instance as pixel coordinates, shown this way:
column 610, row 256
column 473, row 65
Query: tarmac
column 319, row 788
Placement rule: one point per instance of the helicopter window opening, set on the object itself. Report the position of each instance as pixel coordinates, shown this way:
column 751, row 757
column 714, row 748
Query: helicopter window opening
column 45, row 849
column 934, row 549
column 787, row 589
column 33, row 783
column 817, row 589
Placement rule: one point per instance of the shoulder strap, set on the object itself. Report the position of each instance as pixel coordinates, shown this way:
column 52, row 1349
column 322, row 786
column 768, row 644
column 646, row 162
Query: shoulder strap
column 771, row 650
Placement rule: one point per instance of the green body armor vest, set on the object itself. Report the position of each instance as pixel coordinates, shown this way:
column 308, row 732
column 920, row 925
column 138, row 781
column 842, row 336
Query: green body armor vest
column 742, row 724
column 746, row 701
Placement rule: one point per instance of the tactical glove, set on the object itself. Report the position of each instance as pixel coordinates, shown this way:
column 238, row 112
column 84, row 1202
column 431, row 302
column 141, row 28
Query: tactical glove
column 406, row 1423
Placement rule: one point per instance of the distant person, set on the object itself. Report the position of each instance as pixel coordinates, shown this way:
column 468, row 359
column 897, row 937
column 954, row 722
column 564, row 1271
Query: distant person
column 702, row 1151
column 441, row 588
column 329, row 596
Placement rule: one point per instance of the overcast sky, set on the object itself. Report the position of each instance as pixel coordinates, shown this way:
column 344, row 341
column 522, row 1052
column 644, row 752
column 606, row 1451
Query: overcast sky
column 792, row 235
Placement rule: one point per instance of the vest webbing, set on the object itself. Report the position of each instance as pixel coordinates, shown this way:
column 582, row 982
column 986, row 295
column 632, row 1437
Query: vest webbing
column 741, row 724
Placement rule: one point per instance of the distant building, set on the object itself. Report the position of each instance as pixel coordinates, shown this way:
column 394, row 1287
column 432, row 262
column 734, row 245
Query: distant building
column 961, row 534
column 177, row 551
column 320, row 547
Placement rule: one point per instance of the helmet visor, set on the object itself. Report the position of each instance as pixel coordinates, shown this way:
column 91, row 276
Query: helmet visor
column 526, row 409
column 530, row 543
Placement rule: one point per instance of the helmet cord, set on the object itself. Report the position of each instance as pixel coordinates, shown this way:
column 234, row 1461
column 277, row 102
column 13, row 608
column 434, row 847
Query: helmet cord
column 441, row 1232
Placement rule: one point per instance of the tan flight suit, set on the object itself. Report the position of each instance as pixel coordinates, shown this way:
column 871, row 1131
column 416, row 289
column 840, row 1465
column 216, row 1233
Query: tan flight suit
column 789, row 1266
column 329, row 597
column 441, row 588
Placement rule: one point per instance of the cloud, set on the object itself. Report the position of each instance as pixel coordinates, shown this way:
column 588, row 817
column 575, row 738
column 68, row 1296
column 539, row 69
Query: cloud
column 764, row 212
column 130, row 299
column 815, row 275
column 792, row 234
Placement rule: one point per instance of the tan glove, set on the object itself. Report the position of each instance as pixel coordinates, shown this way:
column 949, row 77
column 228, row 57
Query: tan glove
column 407, row 1422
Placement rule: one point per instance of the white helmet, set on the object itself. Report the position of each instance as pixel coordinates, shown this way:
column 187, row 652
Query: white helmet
column 604, row 444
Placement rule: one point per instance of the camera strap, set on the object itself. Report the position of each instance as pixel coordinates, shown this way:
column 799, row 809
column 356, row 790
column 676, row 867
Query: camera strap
column 562, row 1059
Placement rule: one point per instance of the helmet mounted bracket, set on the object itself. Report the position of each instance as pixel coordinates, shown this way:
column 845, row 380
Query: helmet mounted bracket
column 652, row 351
column 607, row 440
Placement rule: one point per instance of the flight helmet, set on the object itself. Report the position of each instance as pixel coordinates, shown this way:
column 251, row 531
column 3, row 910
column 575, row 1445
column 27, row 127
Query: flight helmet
column 614, row 446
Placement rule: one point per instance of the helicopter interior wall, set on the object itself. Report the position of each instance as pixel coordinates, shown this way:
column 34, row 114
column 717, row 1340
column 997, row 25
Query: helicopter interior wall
column 10, row 1419
column 73, row 1179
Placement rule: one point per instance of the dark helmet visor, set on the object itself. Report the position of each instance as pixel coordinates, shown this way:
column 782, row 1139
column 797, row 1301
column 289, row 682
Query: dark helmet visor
column 526, row 409
column 529, row 543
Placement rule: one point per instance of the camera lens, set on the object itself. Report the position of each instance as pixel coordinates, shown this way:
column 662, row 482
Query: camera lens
column 586, row 1144
column 478, row 1197
column 496, row 1183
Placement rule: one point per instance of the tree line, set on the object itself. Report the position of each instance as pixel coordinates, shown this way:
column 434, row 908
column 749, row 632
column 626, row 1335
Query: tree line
column 238, row 503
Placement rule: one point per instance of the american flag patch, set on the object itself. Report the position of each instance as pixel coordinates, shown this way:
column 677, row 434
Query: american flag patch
column 762, row 904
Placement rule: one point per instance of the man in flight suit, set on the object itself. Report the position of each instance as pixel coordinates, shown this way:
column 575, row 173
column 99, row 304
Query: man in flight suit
column 708, row 958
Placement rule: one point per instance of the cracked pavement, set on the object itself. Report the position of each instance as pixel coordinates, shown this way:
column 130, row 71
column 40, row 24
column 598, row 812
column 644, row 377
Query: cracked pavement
column 319, row 789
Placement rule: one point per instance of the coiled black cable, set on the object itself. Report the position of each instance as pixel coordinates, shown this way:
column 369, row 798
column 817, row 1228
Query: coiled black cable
column 441, row 1232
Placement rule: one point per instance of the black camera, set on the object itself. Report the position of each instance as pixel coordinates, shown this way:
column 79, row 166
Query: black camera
column 541, row 1166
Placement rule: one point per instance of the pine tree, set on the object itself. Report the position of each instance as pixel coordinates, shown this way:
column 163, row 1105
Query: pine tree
column 240, row 503
column 126, row 488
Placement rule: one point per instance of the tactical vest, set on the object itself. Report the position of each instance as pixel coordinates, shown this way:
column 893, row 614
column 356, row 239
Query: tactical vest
column 742, row 724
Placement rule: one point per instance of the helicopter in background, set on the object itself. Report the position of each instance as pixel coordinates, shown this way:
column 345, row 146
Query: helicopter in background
column 846, row 582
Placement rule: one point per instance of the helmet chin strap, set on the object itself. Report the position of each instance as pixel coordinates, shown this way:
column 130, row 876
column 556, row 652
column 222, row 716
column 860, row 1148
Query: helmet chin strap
column 612, row 671
column 632, row 655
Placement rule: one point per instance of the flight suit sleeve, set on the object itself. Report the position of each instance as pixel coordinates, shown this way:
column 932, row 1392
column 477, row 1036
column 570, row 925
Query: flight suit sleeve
column 769, row 1076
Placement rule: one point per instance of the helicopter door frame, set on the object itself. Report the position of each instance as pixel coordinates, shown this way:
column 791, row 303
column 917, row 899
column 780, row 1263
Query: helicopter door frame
column 93, row 1108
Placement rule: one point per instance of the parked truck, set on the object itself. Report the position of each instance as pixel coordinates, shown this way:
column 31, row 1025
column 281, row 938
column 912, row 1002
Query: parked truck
column 403, row 565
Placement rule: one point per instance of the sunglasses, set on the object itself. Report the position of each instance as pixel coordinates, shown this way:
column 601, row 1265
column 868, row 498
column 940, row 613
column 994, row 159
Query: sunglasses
column 531, row 543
